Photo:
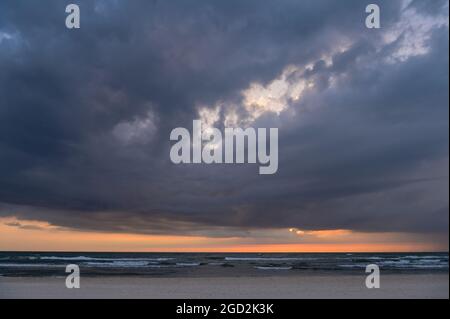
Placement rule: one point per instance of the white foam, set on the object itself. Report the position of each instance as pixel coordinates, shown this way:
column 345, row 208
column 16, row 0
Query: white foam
column 188, row 264
column 267, row 258
column 81, row 258
column 84, row 258
column 274, row 268
column 30, row 265
column 424, row 257
column 119, row 264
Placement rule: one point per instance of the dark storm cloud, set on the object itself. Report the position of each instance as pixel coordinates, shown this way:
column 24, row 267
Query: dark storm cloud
column 369, row 153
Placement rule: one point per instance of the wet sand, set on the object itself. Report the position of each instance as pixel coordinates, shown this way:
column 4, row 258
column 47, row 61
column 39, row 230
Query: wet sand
column 291, row 287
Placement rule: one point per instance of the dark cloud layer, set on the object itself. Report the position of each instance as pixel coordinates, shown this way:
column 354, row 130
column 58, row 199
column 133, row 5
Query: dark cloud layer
column 366, row 149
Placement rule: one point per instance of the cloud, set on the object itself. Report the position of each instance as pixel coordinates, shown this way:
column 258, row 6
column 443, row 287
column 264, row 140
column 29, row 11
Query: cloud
column 26, row 227
column 85, row 115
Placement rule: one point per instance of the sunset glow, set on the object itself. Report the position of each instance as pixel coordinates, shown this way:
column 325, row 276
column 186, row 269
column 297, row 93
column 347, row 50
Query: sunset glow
column 38, row 236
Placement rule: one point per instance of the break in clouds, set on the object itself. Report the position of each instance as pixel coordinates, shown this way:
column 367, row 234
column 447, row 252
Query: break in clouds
column 362, row 114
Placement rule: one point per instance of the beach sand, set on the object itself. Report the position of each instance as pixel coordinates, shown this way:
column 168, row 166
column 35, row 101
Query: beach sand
column 302, row 286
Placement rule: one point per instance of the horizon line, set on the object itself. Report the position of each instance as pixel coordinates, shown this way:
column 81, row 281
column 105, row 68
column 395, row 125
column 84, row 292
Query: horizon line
column 222, row 252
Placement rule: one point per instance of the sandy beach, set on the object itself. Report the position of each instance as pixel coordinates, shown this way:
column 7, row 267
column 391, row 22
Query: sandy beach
column 305, row 286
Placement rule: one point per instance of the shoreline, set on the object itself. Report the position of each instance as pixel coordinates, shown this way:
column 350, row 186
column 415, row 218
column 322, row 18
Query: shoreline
column 393, row 286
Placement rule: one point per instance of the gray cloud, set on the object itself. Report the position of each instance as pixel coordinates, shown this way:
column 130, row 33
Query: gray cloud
column 21, row 226
column 366, row 149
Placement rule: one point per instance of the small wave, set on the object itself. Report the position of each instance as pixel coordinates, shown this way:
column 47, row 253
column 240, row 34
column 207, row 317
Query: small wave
column 429, row 261
column 84, row 258
column 11, row 265
column 425, row 257
column 267, row 258
column 188, row 264
column 19, row 258
column 398, row 266
column 79, row 258
column 431, row 266
column 394, row 262
column 119, row 264
column 160, row 266
column 367, row 258
column 273, row 268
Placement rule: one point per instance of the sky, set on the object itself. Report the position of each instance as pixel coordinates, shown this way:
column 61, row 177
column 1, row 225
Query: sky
column 86, row 116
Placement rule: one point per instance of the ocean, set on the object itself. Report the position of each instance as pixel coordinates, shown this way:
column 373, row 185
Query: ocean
column 29, row 264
